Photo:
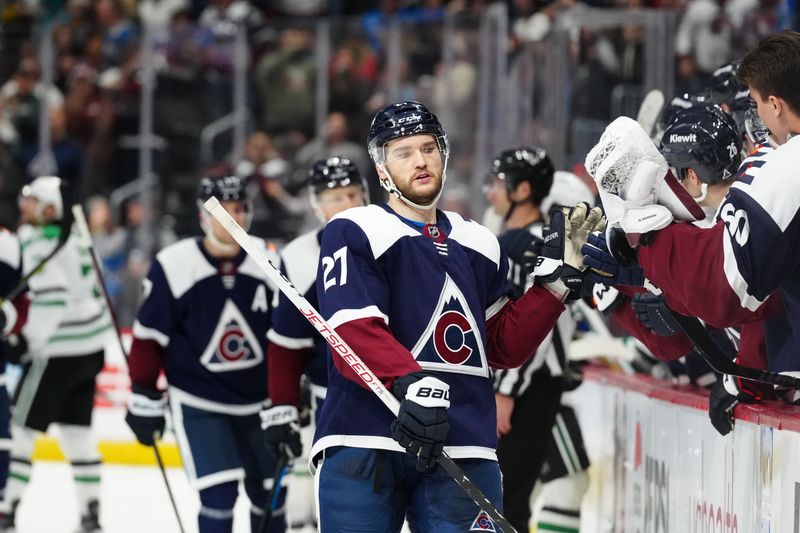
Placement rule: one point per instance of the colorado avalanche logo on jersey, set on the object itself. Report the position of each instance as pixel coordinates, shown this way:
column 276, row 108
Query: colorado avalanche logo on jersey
column 482, row 522
column 232, row 346
column 452, row 341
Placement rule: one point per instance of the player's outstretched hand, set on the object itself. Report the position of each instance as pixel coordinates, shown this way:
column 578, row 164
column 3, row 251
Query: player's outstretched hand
column 146, row 413
column 560, row 266
column 421, row 426
column 652, row 311
column 606, row 269
column 281, row 425
column 726, row 393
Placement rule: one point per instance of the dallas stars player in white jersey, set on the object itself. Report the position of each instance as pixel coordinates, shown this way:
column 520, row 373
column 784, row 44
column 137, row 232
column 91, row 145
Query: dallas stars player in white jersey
column 61, row 348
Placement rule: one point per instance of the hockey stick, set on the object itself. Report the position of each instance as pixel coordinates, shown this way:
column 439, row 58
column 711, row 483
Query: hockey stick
column 650, row 110
column 340, row 347
column 163, row 470
column 271, row 504
column 717, row 360
column 83, row 231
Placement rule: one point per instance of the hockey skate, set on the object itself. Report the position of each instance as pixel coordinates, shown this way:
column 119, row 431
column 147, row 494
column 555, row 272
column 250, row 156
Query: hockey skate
column 90, row 522
column 7, row 519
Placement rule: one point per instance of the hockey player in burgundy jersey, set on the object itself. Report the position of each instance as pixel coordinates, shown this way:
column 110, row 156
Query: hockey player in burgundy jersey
column 204, row 320
column 420, row 296
column 737, row 270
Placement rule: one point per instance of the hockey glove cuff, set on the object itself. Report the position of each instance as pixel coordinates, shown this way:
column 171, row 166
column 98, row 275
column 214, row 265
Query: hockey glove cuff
column 281, row 425
column 146, row 413
column 421, row 426
column 652, row 311
column 8, row 317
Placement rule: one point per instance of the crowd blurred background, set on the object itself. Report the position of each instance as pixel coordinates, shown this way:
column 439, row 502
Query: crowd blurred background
column 133, row 100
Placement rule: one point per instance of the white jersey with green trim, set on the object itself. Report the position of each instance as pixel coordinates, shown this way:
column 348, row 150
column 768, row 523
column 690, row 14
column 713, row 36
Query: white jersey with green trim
column 67, row 316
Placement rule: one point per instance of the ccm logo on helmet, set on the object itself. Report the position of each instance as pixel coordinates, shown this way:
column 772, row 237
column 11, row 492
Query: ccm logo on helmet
column 688, row 138
column 410, row 118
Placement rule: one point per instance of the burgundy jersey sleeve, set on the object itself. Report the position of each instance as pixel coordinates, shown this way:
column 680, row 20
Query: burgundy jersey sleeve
column 519, row 327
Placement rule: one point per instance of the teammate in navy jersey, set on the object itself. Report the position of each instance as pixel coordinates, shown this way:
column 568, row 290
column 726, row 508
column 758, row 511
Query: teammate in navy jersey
column 12, row 316
column 528, row 398
column 420, row 296
column 204, row 321
column 335, row 184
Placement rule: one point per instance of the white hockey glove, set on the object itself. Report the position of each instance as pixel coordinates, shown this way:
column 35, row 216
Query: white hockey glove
column 559, row 267
column 8, row 317
column 638, row 191
column 281, row 425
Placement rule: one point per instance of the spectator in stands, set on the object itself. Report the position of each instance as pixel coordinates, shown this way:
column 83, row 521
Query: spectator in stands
column 119, row 33
column 352, row 75
column 90, row 121
column 65, row 149
column 20, row 104
column 703, row 39
column 109, row 241
column 334, row 141
column 285, row 82
column 156, row 15
column 276, row 213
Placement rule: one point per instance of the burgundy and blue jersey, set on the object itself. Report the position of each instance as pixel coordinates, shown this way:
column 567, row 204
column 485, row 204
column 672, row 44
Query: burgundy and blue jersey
column 740, row 269
column 204, row 320
column 408, row 296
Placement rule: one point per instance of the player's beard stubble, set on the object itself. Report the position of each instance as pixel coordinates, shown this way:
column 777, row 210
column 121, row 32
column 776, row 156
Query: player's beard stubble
column 421, row 194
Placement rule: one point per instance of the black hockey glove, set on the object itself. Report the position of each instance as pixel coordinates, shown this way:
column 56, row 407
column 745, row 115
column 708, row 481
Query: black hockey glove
column 281, row 425
column 560, row 266
column 15, row 347
column 726, row 393
column 146, row 413
column 652, row 311
column 421, row 426
column 605, row 268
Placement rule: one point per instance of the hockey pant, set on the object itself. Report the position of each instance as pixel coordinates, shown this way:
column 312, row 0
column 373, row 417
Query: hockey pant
column 219, row 450
column 373, row 491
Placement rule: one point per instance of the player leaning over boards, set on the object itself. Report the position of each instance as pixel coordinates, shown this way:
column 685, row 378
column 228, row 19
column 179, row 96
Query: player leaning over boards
column 420, row 296
column 61, row 347
column 204, row 320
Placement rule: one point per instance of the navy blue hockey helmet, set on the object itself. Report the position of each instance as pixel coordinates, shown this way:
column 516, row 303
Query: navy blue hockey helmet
column 334, row 172
column 225, row 188
column 724, row 88
column 705, row 139
column 679, row 103
column 403, row 120
column 531, row 164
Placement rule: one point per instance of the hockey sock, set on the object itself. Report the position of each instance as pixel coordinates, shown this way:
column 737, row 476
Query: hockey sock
column 5, row 457
column 216, row 508
column 561, row 499
column 19, row 465
column 258, row 500
column 79, row 447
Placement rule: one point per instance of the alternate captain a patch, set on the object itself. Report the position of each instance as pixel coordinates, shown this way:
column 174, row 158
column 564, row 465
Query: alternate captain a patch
column 452, row 342
column 233, row 345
